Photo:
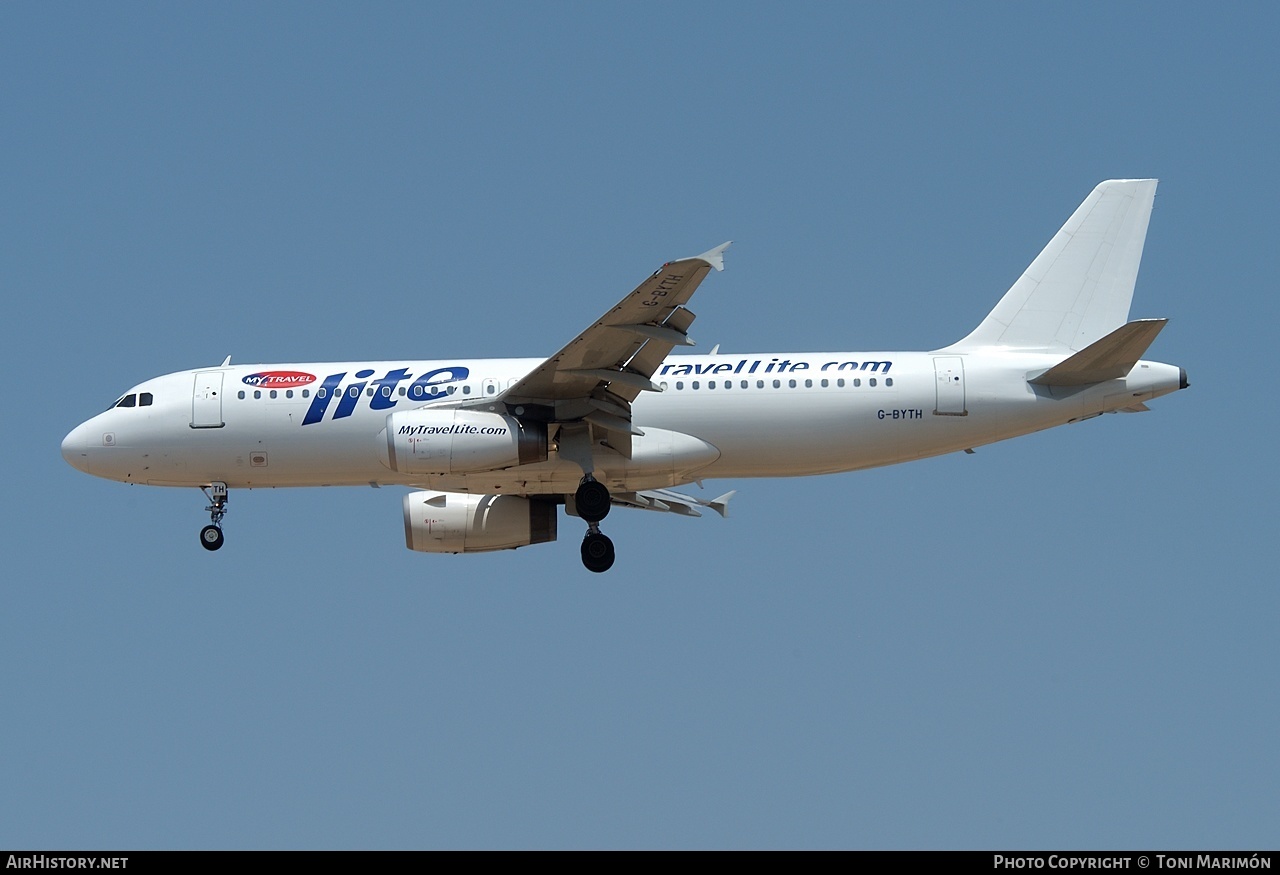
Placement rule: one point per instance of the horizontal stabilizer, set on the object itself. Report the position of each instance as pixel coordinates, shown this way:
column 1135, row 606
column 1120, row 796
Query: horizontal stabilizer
column 1110, row 358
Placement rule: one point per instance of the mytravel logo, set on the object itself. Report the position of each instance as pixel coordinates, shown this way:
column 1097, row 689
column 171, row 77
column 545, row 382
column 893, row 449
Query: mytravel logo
column 279, row 379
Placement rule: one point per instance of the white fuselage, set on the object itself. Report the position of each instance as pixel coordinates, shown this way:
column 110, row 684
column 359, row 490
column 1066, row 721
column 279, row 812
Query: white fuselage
column 765, row 415
column 493, row 447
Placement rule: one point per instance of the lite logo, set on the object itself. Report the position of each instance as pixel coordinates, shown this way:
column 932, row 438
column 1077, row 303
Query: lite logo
column 381, row 392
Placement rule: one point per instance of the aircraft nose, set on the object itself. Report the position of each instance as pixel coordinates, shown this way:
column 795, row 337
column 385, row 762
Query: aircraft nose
column 75, row 448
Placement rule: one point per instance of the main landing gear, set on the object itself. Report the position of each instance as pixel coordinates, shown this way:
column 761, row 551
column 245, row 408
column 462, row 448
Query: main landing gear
column 211, row 535
column 597, row 550
column 593, row 503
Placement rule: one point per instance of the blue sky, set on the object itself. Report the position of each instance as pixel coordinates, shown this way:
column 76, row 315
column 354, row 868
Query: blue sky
column 1063, row 641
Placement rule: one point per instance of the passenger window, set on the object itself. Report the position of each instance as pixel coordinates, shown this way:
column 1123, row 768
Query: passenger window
column 679, row 384
column 873, row 381
column 695, row 384
column 777, row 384
column 808, row 384
column 791, row 383
column 824, row 384
column 466, row 390
column 744, row 384
column 857, row 382
column 288, row 393
column 355, row 391
column 711, row 384
column 840, row 382
column 306, row 393
column 402, row 392
column 490, row 389
column 386, row 391
column 759, row 384
column 257, row 393
column 888, row 381
column 450, row 390
column 322, row 392
column 240, row 394
column 274, row 393
column 369, row 391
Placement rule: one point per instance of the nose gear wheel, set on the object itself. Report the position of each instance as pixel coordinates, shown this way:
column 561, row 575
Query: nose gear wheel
column 211, row 537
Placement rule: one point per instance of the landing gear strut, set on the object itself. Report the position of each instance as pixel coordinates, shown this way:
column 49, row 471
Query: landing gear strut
column 593, row 503
column 211, row 535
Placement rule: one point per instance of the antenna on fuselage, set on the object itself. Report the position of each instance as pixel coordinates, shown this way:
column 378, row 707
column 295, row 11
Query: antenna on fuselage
column 226, row 361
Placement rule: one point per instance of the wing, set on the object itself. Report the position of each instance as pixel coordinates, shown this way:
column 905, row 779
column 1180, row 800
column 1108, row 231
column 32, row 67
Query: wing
column 595, row 377
column 670, row 501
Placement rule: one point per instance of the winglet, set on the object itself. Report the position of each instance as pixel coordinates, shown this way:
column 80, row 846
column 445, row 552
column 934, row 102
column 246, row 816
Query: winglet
column 714, row 257
column 721, row 505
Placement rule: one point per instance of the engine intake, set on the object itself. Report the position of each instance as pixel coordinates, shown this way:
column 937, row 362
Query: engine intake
column 453, row 522
column 459, row 442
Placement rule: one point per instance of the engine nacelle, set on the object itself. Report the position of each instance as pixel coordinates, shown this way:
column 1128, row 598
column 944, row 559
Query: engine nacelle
column 453, row 522
column 459, row 442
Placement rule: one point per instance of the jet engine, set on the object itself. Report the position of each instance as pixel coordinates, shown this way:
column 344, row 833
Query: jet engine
column 454, row 522
column 459, row 442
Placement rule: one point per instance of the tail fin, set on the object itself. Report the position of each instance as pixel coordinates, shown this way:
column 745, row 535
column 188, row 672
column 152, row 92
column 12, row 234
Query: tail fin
column 1079, row 287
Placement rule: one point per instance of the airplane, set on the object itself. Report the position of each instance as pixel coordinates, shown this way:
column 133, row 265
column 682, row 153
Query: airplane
column 493, row 447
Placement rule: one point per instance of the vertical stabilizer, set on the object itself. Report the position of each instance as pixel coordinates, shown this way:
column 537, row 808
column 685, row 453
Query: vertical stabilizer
column 1079, row 287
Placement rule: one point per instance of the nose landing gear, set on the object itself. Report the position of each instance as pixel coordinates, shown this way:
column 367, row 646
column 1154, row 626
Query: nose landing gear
column 211, row 535
column 593, row 502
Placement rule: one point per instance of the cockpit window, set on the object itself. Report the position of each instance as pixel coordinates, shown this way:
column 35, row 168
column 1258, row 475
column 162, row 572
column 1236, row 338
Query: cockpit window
column 142, row 399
